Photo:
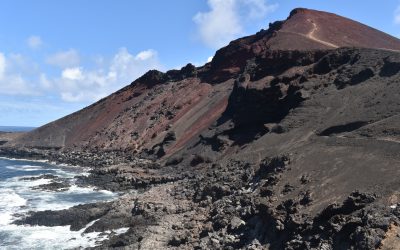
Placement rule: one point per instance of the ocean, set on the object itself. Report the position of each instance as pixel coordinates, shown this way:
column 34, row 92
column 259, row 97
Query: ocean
column 15, row 129
column 19, row 194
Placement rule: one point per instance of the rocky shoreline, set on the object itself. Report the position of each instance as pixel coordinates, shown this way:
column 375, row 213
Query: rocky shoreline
column 217, row 207
column 109, row 171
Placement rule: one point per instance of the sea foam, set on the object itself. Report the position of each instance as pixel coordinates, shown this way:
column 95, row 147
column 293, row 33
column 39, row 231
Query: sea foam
column 19, row 195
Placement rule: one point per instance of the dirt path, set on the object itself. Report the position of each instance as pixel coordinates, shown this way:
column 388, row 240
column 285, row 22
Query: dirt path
column 311, row 35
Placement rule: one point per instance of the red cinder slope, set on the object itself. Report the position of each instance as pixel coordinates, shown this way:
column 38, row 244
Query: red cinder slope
column 328, row 31
column 139, row 116
column 304, row 29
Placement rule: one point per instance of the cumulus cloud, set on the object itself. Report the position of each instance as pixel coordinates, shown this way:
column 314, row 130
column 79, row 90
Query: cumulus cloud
column 128, row 67
column 226, row 19
column 15, row 85
column 145, row 55
column 74, row 82
column 73, row 74
column 12, row 83
column 220, row 24
column 78, row 84
column 34, row 42
column 63, row 59
column 258, row 9
column 20, row 64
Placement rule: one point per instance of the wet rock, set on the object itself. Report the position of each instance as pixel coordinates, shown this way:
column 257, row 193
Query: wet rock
column 43, row 176
column 77, row 217
column 53, row 186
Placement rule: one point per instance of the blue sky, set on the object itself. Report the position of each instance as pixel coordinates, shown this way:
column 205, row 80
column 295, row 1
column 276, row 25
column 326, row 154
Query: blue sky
column 59, row 56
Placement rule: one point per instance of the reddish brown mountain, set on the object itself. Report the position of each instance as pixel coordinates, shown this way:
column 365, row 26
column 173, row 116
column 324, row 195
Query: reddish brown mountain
column 188, row 101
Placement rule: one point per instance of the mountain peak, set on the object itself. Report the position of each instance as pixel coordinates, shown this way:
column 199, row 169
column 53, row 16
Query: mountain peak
column 325, row 30
column 300, row 10
column 303, row 30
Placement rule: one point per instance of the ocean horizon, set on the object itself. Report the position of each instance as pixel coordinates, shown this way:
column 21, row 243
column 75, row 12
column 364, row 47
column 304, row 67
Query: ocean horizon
column 16, row 128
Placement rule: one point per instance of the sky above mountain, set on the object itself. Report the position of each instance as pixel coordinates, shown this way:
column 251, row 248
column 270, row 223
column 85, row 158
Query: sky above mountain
column 57, row 57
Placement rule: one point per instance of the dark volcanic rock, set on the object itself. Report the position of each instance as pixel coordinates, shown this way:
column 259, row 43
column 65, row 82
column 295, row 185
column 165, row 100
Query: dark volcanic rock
column 54, row 186
column 78, row 217
column 43, row 176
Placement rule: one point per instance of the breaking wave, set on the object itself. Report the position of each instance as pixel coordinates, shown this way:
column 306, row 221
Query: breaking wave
column 19, row 195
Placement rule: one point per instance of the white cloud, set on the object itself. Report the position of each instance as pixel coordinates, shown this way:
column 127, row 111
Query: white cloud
column 226, row 19
column 220, row 25
column 74, row 82
column 63, row 59
column 12, row 83
column 72, row 74
column 78, row 84
column 145, row 55
column 258, row 9
column 20, row 64
column 34, row 42
column 15, row 85
column 128, row 67
column 197, row 64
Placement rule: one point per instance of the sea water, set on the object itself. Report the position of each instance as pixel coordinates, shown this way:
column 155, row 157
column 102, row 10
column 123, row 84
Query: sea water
column 19, row 196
